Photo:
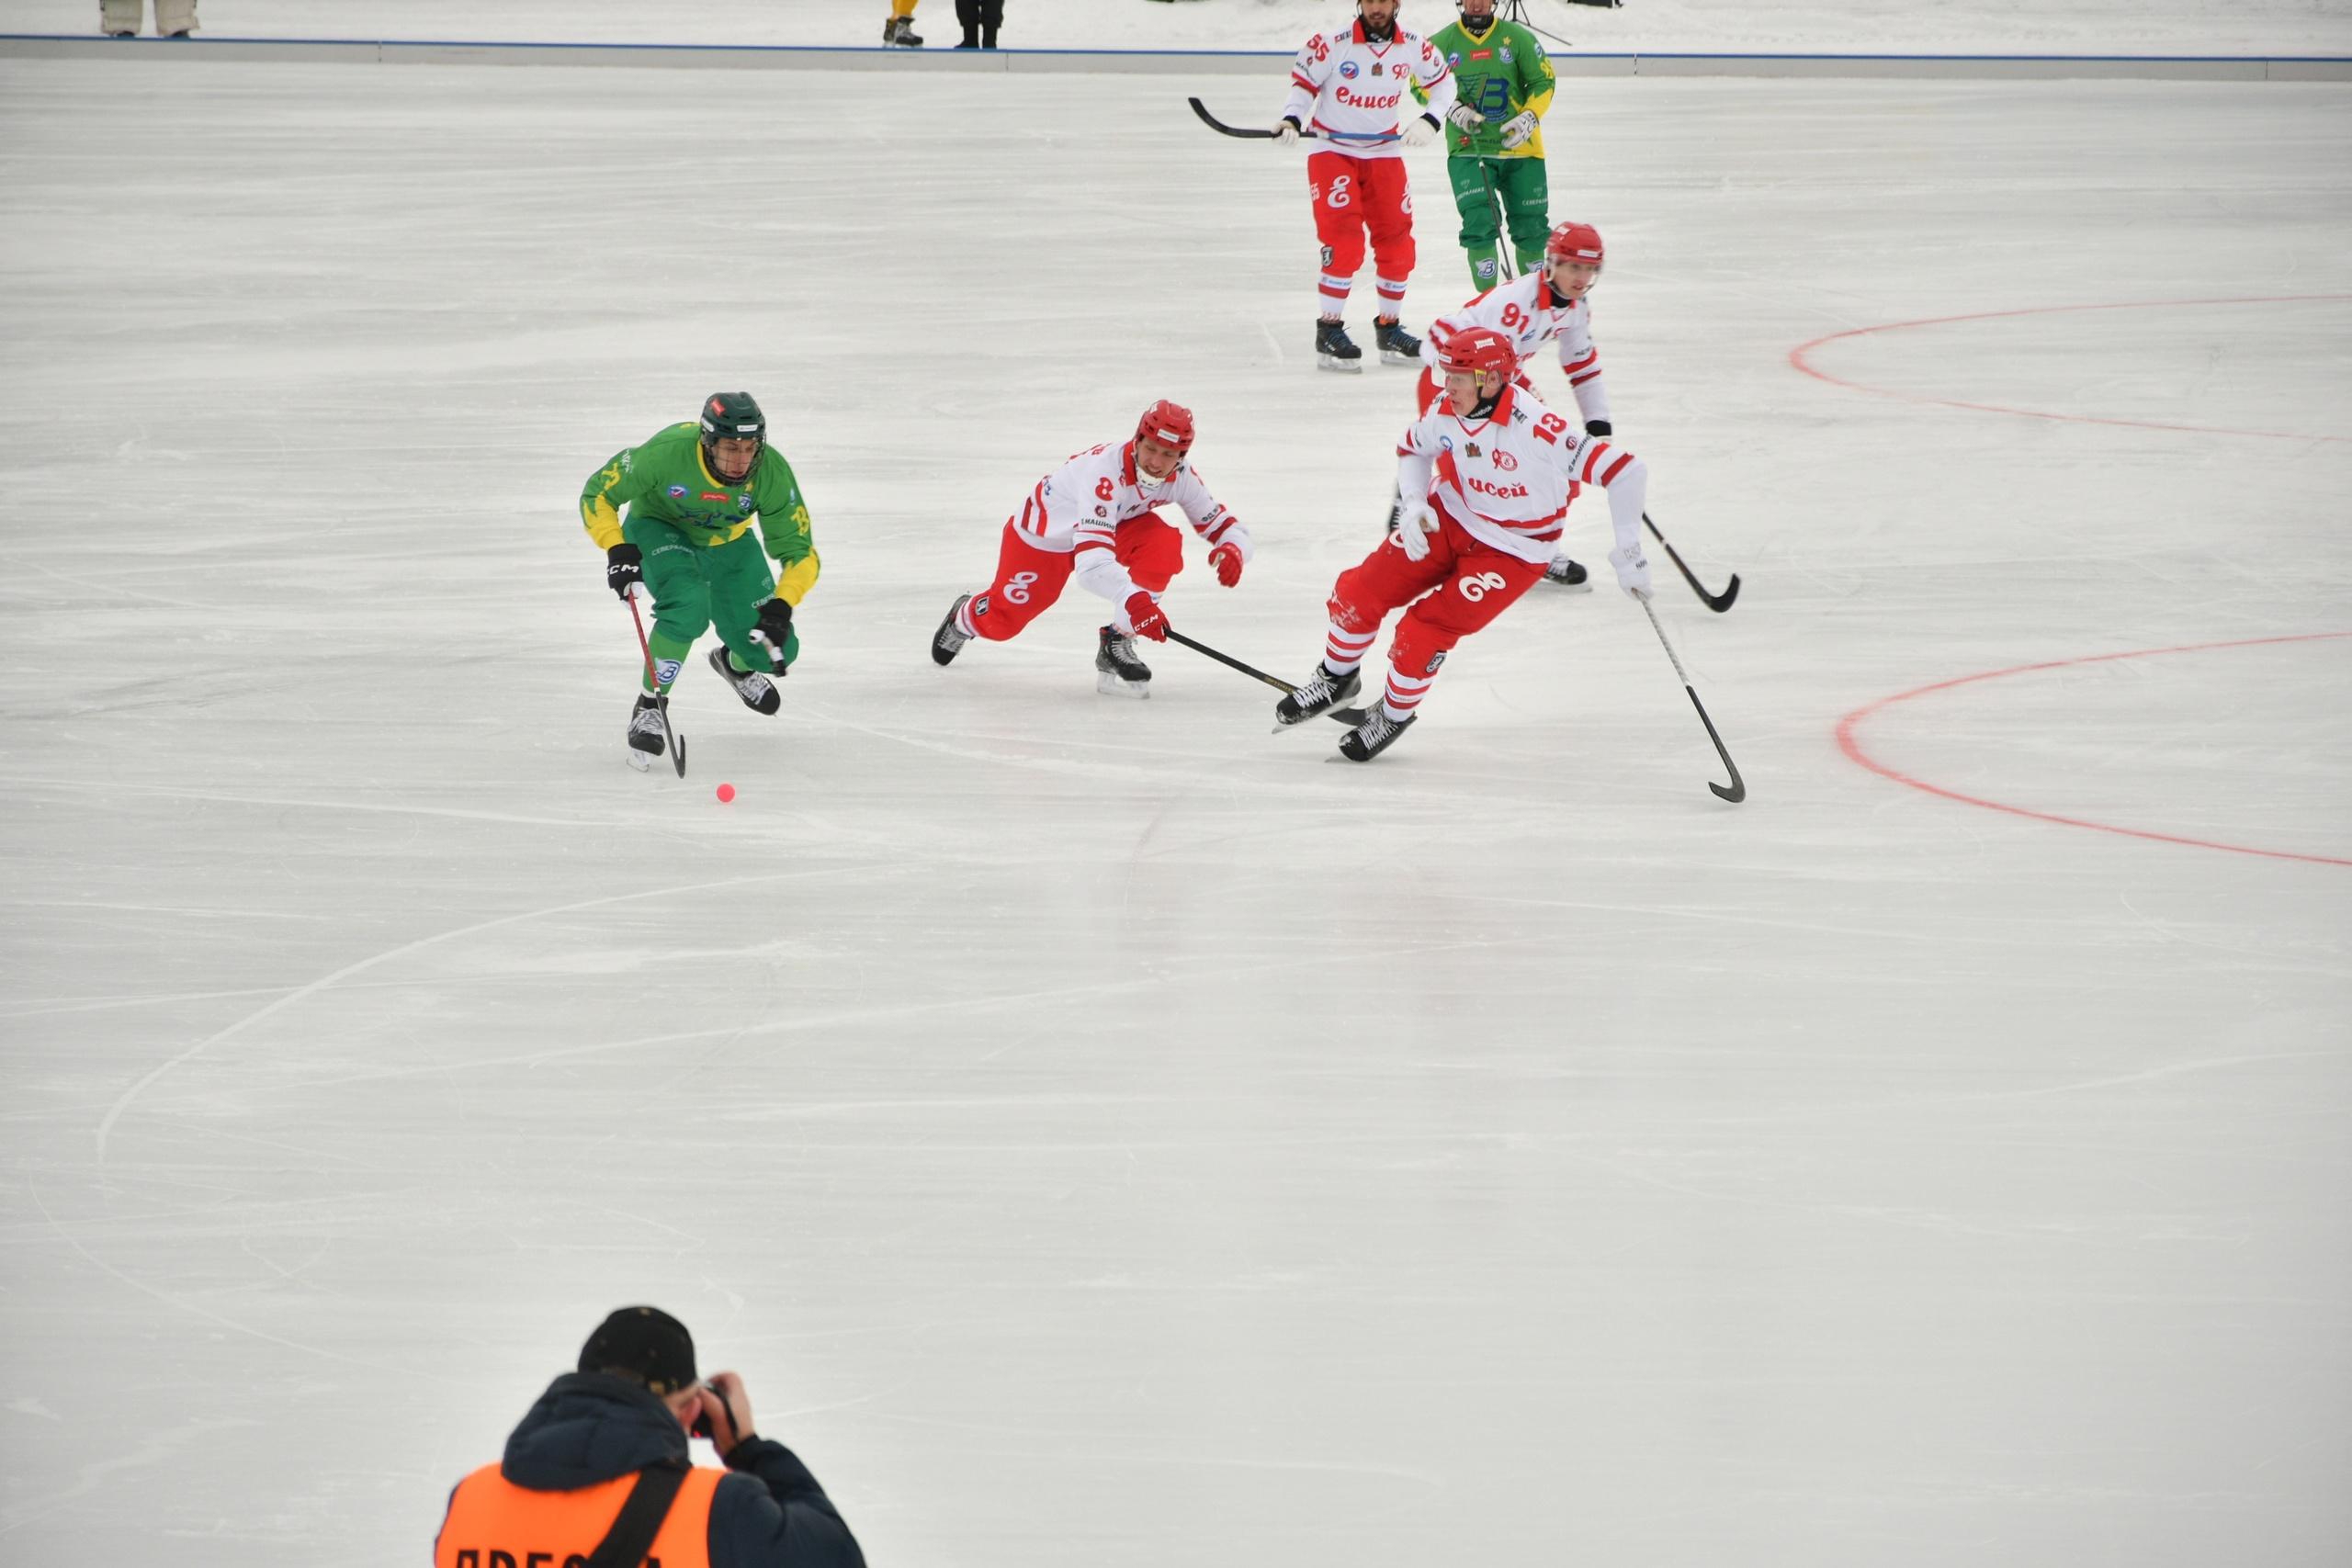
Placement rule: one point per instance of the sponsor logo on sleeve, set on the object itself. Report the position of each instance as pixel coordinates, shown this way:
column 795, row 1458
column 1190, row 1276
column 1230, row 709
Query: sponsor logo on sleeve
column 677, row 492
column 743, row 501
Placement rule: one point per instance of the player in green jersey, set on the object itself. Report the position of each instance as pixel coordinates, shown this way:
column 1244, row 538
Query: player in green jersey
column 692, row 492
column 1494, row 146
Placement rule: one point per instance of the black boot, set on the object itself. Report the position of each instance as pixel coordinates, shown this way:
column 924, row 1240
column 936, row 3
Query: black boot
column 1324, row 690
column 1118, row 671
column 759, row 693
column 1375, row 735
column 1564, row 574
column 1396, row 346
column 1333, row 349
column 949, row 639
column 645, row 725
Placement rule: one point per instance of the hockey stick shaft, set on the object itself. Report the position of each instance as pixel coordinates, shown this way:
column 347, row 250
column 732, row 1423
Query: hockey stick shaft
column 1350, row 717
column 1737, row 791
column 1246, row 132
column 1276, row 682
column 653, row 680
column 1718, row 603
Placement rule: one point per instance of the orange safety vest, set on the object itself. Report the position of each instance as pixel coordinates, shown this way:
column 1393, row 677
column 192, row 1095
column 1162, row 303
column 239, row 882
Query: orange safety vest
column 494, row 1523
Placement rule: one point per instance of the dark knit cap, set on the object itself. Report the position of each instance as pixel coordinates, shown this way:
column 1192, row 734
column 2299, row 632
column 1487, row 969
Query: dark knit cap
column 645, row 1343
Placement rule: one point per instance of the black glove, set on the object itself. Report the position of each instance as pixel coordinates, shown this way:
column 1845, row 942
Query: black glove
column 624, row 569
column 1596, row 427
column 774, row 628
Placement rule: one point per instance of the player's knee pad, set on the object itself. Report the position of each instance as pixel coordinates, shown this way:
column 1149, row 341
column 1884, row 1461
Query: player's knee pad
column 684, row 617
column 1420, row 646
column 1348, row 610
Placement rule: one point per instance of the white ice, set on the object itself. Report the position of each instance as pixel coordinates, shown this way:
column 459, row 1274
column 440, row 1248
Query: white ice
column 1108, row 1133
column 1965, row 27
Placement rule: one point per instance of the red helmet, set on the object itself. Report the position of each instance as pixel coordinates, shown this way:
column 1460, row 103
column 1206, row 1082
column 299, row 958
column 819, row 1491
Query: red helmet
column 1169, row 424
column 1478, row 348
column 1573, row 242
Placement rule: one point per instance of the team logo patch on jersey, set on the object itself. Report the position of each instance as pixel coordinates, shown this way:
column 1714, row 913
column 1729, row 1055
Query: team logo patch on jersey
column 1348, row 69
column 677, row 492
column 1474, row 449
column 1506, row 57
column 744, row 503
column 1505, row 461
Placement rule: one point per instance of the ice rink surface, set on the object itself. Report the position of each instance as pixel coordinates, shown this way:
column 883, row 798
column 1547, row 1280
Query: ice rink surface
column 1108, row 1133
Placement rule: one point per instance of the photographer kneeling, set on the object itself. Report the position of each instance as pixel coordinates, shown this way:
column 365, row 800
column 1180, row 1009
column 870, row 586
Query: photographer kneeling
column 598, row 1472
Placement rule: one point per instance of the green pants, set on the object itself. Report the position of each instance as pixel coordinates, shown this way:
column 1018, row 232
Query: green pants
column 697, row 587
column 1518, row 186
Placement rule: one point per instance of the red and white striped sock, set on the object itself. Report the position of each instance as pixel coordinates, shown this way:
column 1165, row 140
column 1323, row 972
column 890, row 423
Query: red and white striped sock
column 964, row 615
column 1403, row 694
column 1331, row 296
column 1344, row 649
column 1392, row 294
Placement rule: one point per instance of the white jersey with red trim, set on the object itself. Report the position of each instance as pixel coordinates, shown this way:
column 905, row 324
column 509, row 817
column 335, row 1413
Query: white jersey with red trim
column 1509, row 477
column 1522, row 310
column 1079, row 506
column 1356, row 93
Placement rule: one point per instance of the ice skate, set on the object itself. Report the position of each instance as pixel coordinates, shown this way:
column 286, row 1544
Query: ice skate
column 645, row 728
column 1562, row 572
column 1396, row 346
column 949, row 640
column 1373, row 736
column 899, row 33
column 1334, row 350
column 1324, row 690
column 759, row 693
column 1120, row 672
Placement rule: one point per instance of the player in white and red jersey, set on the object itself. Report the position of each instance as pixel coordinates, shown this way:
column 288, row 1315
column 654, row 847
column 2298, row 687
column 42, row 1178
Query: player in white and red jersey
column 1352, row 89
column 1094, row 517
column 1484, row 480
column 1530, row 310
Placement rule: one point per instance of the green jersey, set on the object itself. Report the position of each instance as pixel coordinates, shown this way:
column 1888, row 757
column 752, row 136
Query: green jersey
column 1502, row 74
column 666, row 480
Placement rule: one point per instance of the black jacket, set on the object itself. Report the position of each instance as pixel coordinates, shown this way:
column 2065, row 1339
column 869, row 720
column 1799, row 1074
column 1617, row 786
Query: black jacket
column 590, row 1427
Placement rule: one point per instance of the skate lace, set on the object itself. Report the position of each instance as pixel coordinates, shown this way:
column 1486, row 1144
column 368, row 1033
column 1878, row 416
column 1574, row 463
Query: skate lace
column 646, row 721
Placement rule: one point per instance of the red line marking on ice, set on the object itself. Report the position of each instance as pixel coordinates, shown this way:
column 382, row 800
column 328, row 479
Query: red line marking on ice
column 1849, row 742
column 1800, row 357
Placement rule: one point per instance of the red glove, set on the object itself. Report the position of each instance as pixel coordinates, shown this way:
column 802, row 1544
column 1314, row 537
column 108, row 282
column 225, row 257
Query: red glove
column 1143, row 612
column 1226, row 558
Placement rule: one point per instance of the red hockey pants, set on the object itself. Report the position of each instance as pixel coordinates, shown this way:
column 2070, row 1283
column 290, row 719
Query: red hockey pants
column 1356, row 197
column 1459, row 587
column 1028, row 579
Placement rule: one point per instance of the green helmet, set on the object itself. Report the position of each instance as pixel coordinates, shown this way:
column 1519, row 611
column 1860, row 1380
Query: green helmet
column 731, row 414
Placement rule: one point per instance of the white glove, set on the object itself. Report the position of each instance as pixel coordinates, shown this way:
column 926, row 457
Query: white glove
column 1414, row 523
column 1285, row 132
column 1518, row 128
column 1632, row 569
column 1420, row 131
column 1466, row 119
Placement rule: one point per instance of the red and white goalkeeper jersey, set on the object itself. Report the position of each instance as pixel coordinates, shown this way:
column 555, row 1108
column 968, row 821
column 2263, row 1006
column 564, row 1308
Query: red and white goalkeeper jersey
column 1509, row 477
column 1079, row 506
column 1356, row 93
column 1521, row 310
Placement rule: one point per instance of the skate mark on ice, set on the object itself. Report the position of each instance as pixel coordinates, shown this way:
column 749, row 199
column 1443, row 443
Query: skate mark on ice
column 328, row 981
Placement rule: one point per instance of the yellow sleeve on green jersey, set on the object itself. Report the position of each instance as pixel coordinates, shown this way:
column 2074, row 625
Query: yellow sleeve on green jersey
column 608, row 490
